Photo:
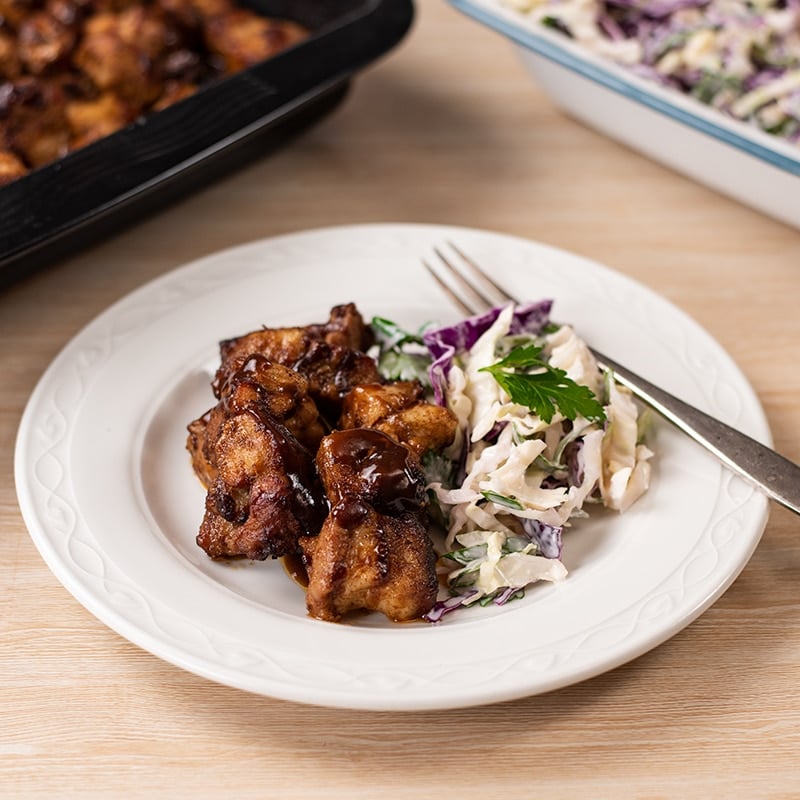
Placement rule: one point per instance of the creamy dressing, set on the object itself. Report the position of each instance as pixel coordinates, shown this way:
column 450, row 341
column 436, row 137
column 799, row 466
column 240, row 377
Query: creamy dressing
column 525, row 477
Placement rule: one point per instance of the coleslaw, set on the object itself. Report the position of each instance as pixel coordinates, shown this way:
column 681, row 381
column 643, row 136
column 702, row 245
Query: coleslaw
column 740, row 56
column 543, row 433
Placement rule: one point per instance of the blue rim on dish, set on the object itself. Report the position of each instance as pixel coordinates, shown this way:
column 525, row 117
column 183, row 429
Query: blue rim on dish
column 543, row 46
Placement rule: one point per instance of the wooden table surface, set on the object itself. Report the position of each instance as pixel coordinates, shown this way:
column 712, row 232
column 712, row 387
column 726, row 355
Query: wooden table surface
column 448, row 129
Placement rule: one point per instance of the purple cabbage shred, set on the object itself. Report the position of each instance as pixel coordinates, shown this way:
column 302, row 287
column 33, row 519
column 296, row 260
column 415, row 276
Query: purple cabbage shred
column 546, row 537
column 443, row 607
column 509, row 593
column 445, row 342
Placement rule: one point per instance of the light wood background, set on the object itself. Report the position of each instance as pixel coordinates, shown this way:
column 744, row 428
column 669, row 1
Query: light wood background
column 447, row 129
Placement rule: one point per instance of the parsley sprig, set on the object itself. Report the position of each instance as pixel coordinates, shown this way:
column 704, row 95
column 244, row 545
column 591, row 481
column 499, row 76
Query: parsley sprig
column 528, row 379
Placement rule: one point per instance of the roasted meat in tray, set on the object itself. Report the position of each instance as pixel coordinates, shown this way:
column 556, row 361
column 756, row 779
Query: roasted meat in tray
column 310, row 453
column 74, row 71
column 112, row 109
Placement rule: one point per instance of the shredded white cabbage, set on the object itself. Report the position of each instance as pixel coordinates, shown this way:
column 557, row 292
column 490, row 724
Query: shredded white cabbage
column 524, row 479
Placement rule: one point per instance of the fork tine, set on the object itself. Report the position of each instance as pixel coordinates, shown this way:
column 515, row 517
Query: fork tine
column 453, row 297
column 465, row 285
column 475, row 288
column 481, row 275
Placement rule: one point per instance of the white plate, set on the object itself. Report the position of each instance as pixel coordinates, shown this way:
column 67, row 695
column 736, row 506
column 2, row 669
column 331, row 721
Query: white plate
column 109, row 497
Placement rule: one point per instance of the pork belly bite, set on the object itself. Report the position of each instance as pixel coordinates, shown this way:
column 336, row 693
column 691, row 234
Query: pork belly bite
column 398, row 409
column 332, row 371
column 280, row 391
column 366, row 560
column 373, row 551
column 266, row 494
column 345, row 328
column 242, row 38
column 330, row 356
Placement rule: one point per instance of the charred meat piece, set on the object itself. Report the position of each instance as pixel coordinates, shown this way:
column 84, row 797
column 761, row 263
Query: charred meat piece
column 332, row 371
column 149, row 29
column 330, row 355
column 14, row 12
column 399, row 410
column 90, row 120
column 345, row 328
column 370, row 466
column 279, row 345
column 33, row 122
column 10, row 64
column 266, row 494
column 363, row 560
column 276, row 389
column 284, row 394
column 373, row 552
column 44, row 42
column 69, row 13
column 242, row 38
column 192, row 14
column 116, row 65
column 11, row 167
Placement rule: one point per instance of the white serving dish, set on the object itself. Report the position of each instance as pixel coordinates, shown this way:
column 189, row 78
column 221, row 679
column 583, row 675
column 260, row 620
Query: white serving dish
column 754, row 167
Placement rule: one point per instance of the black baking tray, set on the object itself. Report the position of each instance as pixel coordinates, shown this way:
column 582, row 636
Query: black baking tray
column 93, row 192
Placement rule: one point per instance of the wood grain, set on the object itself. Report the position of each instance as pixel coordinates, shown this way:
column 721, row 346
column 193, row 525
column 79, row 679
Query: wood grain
column 447, row 129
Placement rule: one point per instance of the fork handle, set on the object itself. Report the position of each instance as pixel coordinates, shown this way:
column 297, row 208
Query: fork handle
column 775, row 475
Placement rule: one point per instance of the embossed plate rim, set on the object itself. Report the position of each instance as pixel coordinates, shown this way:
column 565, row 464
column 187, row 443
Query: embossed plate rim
column 143, row 595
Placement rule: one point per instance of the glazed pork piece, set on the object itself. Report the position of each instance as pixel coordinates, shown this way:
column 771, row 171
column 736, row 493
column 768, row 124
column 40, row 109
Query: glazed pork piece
column 278, row 390
column 399, row 409
column 33, row 123
column 254, row 453
column 242, row 39
column 265, row 495
column 345, row 328
column 11, row 167
column 373, row 552
column 330, row 356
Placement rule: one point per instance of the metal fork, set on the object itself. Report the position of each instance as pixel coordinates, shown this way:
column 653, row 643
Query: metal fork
column 775, row 475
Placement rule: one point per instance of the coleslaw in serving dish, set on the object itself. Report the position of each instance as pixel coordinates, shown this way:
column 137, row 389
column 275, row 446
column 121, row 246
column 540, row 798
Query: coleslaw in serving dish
column 741, row 57
column 543, row 433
